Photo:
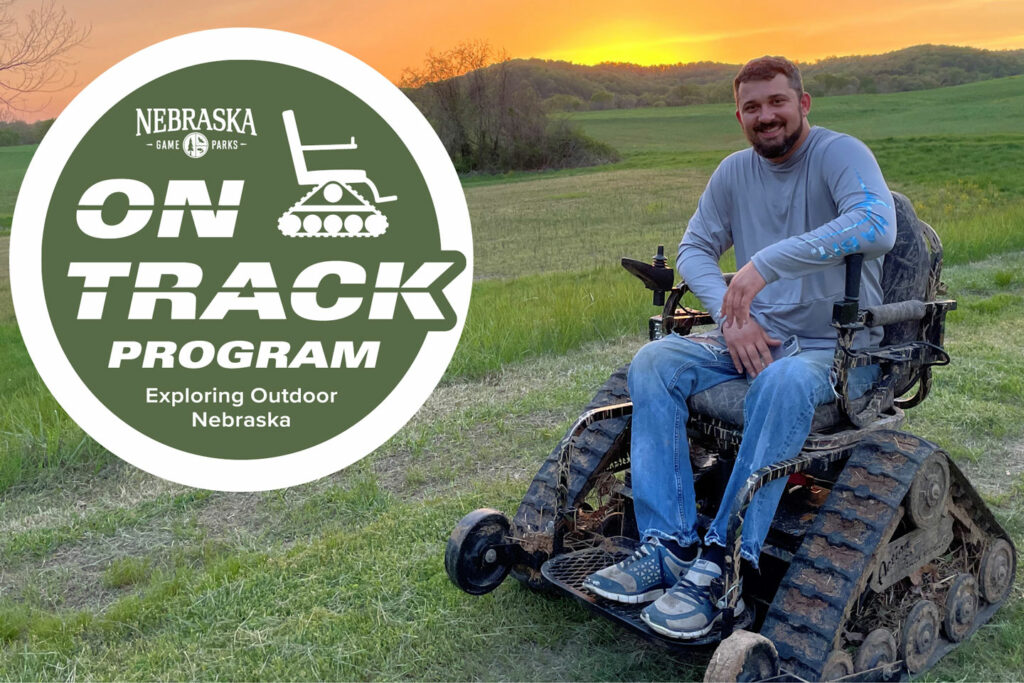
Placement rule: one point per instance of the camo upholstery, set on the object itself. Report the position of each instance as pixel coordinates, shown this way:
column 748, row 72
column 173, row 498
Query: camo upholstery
column 905, row 273
column 725, row 402
column 904, row 276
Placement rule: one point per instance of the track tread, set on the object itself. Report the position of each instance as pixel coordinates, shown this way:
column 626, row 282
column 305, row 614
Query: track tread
column 297, row 206
column 831, row 558
column 833, row 554
column 593, row 447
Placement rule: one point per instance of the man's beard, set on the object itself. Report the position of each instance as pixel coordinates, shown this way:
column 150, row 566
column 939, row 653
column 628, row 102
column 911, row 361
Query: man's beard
column 774, row 150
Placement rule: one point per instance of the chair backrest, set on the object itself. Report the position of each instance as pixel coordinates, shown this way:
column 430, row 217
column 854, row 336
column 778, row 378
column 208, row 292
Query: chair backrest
column 906, row 273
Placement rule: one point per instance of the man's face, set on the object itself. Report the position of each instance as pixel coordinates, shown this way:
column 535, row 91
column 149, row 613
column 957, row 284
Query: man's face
column 773, row 116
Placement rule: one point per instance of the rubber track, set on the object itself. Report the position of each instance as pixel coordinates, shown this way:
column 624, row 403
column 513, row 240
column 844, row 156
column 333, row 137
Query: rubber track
column 839, row 552
column 595, row 447
column 970, row 502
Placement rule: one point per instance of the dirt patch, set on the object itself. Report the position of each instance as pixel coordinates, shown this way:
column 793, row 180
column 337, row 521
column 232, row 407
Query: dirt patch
column 73, row 576
column 844, row 558
column 117, row 486
column 233, row 517
column 822, row 581
column 877, row 484
column 998, row 473
column 502, row 452
column 509, row 442
column 853, row 529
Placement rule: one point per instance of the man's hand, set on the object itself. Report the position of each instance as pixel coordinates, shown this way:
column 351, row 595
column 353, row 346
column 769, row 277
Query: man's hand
column 749, row 346
column 743, row 287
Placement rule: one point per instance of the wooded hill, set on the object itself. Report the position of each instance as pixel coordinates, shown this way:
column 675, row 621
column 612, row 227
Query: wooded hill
column 21, row 133
column 563, row 86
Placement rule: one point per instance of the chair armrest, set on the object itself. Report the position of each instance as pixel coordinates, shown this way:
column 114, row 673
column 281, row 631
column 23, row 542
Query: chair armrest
column 898, row 312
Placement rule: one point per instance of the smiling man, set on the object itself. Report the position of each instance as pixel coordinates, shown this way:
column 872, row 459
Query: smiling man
column 793, row 206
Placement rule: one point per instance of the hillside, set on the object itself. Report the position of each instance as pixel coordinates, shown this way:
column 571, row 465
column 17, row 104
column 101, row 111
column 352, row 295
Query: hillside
column 572, row 87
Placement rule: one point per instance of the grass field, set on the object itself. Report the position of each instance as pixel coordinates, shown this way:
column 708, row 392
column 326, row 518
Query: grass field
column 982, row 108
column 13, row 162
column 106, row 572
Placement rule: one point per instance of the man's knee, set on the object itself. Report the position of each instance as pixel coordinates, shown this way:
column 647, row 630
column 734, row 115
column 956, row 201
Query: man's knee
column 660, row 361
column 647, row 360
column 645, row 368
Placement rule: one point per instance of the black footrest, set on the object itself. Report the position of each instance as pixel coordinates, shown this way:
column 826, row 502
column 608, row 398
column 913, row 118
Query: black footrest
column 566, row 572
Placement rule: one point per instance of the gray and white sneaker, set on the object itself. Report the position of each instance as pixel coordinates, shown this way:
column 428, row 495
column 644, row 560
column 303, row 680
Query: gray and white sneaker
column 689, row 610
column 642, row 577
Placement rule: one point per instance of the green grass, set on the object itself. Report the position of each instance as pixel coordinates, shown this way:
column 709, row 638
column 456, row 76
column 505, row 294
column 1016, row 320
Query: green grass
column 576, row 223
column 319, row 611
column 126, row 571
column 36, row 435
column 973, row 406
column 968, row 189
column 13, row 162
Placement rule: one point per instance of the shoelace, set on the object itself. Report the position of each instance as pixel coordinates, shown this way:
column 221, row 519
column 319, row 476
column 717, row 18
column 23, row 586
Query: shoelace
column 638, row 554
column 691, row 590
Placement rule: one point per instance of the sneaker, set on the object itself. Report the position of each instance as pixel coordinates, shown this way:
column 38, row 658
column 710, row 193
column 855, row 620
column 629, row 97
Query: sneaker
column 689, row 610
column 642, row 577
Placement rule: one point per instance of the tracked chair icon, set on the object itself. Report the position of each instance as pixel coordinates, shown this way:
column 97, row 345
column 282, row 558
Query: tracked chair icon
column 333, row 208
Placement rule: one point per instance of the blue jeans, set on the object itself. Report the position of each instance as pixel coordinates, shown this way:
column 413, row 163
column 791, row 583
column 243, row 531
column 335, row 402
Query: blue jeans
column 777, row 418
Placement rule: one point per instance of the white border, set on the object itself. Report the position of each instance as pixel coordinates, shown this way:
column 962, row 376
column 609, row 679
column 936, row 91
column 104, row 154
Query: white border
column 26, row 262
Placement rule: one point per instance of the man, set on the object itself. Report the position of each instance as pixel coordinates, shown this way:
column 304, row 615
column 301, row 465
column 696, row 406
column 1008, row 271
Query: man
column 793, row 206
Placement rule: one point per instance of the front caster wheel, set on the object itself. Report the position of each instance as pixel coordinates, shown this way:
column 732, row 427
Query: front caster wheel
column 475, row 556
column 839, row 665
column 743, row 656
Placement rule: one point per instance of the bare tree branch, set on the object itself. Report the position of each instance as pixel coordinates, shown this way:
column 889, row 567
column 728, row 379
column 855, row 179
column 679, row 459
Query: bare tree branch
column 34, row 53
column 459, row 60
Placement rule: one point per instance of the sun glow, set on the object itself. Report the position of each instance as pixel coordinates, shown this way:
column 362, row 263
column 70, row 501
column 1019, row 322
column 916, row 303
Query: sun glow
column 645, row 53
column 393, row 35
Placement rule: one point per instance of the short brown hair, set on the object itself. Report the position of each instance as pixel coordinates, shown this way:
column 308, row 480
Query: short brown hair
column 765, row 69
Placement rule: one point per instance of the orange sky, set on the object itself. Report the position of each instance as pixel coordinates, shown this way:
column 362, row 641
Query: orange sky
column 393, row 34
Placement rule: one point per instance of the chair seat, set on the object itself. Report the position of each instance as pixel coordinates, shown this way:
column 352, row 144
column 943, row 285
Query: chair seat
column 725, row 402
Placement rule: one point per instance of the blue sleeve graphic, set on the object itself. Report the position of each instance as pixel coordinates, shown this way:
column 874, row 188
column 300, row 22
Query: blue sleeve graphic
column 870, row 226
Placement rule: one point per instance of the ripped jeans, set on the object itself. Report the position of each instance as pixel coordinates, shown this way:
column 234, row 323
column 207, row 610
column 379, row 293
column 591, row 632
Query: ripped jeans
column 777, row 415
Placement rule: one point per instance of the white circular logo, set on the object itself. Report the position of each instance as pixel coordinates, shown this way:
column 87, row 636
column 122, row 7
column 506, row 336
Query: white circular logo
column 195, row 145
column 265, row 317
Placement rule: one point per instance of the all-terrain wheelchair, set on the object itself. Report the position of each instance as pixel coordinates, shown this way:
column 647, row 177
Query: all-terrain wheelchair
column 881, row 557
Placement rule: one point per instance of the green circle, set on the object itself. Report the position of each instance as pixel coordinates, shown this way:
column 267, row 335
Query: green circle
column 120, row 146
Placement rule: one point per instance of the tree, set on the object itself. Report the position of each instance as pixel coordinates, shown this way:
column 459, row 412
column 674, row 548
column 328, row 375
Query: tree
column 562, row 102
column 460, row 98
column 602, row 99
column 489, row 117
column 33, row 52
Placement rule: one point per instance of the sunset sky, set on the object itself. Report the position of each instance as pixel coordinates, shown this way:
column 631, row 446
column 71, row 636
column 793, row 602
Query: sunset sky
column 393, row 34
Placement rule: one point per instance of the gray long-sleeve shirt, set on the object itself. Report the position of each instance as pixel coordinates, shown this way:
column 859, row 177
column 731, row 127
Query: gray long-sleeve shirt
column 796, row 221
